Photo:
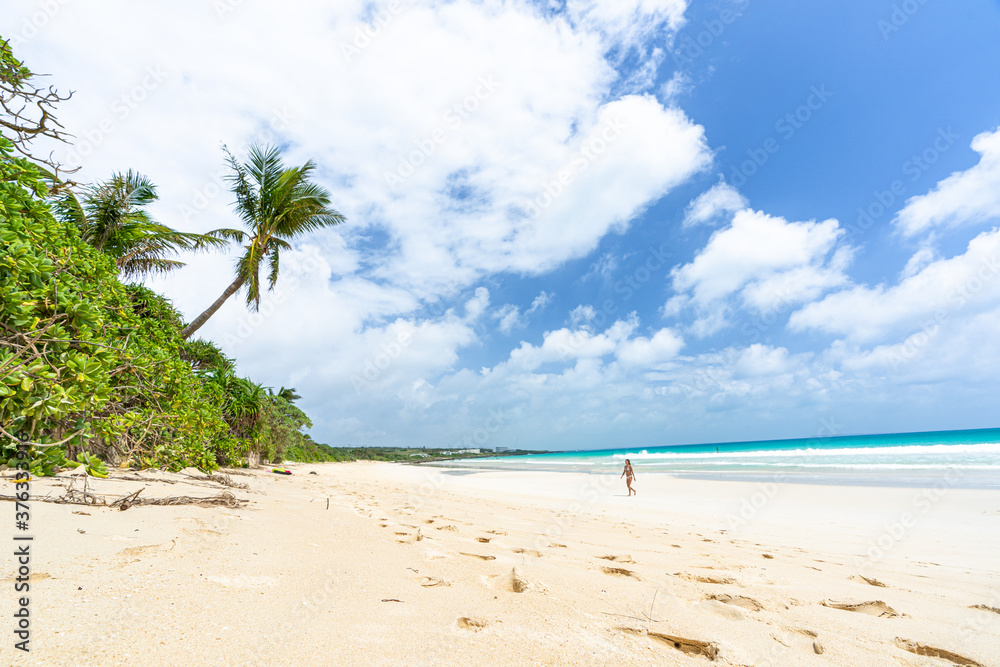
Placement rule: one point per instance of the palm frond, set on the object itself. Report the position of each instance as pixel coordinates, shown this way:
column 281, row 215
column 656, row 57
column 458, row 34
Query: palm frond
column 272, row 274
column 225, row 236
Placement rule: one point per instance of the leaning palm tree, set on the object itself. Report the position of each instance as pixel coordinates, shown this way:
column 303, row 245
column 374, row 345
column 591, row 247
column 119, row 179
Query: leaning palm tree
column 276, row 204
column 112, row 218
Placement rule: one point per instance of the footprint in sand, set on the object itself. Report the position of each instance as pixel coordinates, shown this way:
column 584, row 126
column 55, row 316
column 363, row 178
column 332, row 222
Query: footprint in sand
column 484, row 540
column 430, row 582
column 515, row 582
column 471, row 623
column 527, row 552
column 872, row 608
column 985, row 608
column 867, row 580
column 618, row 559
column 702, row 579
column 923, row 649
column 738, row 601
column 558, row 546
column 497, row 532
column 481, row 557
column 449, row 527
column 721, row 610
column 708, row 650
column 801, row 639
column 620, row 572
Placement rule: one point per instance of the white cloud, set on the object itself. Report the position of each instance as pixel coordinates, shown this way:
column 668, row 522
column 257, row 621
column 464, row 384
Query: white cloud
column 967, row 283
column 509, row 316
column 964, row 198
column 563, row 345
column 918, row 261
column 713, row 205
column 475, row 306
column 605, row 267
column 628, row 21
column 540, row 302
column 500, row 100
column 639, row 351
column 766, row 259
column 582, row 315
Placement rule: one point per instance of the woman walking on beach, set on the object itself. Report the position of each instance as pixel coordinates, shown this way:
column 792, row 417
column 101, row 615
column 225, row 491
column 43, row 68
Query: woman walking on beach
column 629, row 476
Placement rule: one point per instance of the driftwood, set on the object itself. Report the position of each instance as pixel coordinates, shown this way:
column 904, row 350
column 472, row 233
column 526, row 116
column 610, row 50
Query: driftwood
column 224, row 480
column 85, row 497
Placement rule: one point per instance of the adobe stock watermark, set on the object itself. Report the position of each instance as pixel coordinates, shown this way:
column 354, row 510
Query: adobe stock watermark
column 453, row 119
column 688, row 49
column 121, row 108
column 33, row 24
column 900, row 16
column 365, row 34
column 251, row 321
column 930, row 327
column 588, row 493
column 203, row 196
column 913, row 168
column 786, row 127
column 755, row 503
column 478, row 437
column 379, row 362
column 657, row 258
column 713, row 377
column 224, row 7
column 895, row 533
column 592, row 148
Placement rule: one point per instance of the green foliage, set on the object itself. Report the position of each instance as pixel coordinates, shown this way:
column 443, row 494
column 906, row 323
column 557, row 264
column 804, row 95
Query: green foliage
column 54, row 361
column 95, row 466
column 113, row 218
column 276, row 204
column 281, row 431
column 85, row 361
column 99, row 371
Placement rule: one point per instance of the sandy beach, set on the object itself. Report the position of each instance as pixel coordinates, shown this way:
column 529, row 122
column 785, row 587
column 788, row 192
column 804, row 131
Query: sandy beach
column 372, row 563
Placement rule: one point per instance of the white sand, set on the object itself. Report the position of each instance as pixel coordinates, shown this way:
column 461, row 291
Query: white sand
column 412, row 565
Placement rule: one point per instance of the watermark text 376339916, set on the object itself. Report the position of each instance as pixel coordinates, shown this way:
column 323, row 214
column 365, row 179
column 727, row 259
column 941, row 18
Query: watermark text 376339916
column 22, row 552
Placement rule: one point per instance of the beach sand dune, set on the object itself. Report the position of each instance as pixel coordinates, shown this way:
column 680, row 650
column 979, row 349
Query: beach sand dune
column 382, row 564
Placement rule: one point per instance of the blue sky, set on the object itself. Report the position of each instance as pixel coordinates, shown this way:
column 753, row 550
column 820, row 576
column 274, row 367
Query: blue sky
column 579, row 224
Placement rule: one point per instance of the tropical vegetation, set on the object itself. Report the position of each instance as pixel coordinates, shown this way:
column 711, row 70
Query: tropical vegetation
column 94, row 370
column 276, row 204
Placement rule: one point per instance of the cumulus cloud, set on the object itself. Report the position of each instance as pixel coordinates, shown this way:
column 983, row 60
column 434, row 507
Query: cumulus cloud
column 713, row 205
column 964, row 198
column 967, row 283
column 640, row 351
column 565, row 344
column 502, row 105
column 765, row 259
column 509, row 316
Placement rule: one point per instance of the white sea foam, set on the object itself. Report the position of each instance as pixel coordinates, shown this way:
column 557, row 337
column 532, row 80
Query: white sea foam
column 988, row 448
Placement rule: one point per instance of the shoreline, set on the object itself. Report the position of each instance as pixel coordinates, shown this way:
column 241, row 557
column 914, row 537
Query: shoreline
column 948, row 476
column 412, row 565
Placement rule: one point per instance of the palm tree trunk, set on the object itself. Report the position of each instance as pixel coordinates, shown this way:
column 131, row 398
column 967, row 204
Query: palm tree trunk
column 201, row 319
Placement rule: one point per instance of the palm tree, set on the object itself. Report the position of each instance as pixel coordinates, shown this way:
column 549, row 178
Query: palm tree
column 276, row 204
column 113, row 219
column 289, row 394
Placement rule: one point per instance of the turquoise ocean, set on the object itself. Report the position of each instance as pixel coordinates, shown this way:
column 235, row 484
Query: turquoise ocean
column 968, row 459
